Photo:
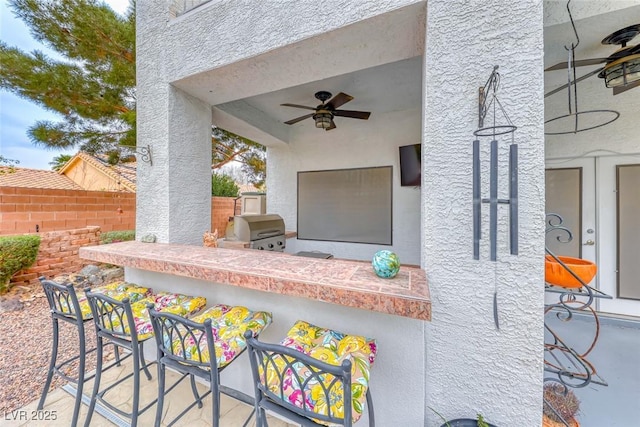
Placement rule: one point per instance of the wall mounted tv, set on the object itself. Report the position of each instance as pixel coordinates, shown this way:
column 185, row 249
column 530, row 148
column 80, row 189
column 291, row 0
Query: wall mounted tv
column 410, row 165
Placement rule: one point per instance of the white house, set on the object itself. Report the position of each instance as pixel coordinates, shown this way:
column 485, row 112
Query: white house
column 417, row 67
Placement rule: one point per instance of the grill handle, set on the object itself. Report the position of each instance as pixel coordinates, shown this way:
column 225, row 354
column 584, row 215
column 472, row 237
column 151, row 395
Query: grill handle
column 268, row 233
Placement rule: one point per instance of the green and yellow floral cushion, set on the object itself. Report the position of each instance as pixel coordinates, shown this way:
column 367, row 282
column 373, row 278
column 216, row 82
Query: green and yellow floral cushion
column 331, row 347
column 228, row 325
column 118, row 290
column 182, row 305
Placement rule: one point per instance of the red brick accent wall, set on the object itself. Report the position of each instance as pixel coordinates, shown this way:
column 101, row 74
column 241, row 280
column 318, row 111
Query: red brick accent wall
column 221, row 210
column 21, row 209
column 58, row 254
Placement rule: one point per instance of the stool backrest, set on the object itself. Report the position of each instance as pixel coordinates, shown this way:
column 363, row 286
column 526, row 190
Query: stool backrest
column 276, row 368
column 63, row 301
column 113, row 318
column 182, row 340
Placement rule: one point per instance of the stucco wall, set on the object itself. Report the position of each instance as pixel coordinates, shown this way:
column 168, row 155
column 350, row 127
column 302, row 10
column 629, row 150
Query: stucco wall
column 472, row 367
column 356, row 144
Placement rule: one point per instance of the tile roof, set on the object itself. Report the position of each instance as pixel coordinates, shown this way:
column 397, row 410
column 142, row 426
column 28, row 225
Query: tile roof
column 123, row 173
column 35, row 178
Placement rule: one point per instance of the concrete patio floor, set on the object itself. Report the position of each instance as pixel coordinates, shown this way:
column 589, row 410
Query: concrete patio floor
column 616, row 357
column 60, row 403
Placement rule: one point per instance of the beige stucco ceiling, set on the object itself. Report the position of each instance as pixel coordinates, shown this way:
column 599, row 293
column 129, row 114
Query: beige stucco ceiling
column 247, row 98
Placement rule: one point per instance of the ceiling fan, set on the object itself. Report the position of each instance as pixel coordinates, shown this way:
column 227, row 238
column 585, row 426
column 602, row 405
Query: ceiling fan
column 622, row 68
column 324, row 113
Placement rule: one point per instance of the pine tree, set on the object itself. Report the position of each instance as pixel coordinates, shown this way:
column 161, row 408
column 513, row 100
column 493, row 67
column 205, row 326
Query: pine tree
column 92, row 84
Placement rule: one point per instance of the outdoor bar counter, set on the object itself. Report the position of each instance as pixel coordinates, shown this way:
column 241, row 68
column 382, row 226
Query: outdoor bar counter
column 338, row 294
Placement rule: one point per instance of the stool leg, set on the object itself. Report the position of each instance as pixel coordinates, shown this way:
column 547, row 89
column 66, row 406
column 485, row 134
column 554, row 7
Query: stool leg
column 194, row 389
column 52, row 365
column 137, row 357
column 372, row 419
column 80, row 384
column 160, row 403
column 144, row 362
column 96, row 379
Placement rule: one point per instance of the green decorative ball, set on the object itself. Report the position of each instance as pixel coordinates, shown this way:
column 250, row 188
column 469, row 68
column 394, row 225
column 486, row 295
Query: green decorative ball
column 386, row 264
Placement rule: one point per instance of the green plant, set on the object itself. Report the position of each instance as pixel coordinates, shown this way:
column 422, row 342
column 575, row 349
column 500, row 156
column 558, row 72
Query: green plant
column 559, row 401
column 117, row 236
column 16, row 253
column 223, row 186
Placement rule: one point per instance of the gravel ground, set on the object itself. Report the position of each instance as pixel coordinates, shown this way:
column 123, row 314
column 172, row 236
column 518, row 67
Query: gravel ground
column 25, row 341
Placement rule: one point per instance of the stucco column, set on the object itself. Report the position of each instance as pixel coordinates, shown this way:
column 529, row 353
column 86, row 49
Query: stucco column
column 473, row 367
column 173, row 199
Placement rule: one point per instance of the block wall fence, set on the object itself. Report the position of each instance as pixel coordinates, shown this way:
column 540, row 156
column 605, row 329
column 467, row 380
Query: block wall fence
column 22, row 209
column 58, row 254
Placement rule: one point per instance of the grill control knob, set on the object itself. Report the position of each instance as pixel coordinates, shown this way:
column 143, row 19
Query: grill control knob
column 270, row 245
column 261, row 248
column 280, row 243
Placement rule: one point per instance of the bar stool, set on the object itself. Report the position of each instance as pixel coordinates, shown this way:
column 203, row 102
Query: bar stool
column 304, row 377
column 128, row 326
column 202, row 347
column 64, row 304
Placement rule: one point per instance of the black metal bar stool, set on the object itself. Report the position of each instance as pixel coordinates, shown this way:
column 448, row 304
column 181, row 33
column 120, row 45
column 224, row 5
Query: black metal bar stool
column 304, row 378
column 203, row 347
column 127, row 325
column 65, row 306
column 116, row 324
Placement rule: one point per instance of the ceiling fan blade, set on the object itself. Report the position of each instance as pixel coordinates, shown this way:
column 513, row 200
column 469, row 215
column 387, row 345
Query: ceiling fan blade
column 338, row 100
column 619, row 89
column 578, row 63
column 298, row 106
column 299, row 119
column 364, row 115
column 579, row 79
column 333, row 125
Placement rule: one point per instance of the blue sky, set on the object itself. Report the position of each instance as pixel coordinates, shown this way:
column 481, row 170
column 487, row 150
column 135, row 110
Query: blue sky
column 18, row 114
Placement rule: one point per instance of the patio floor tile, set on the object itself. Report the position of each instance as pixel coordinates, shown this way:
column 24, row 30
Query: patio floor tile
column 60, row 403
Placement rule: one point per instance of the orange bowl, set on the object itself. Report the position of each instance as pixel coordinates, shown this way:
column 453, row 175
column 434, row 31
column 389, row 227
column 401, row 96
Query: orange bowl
column 557, row 275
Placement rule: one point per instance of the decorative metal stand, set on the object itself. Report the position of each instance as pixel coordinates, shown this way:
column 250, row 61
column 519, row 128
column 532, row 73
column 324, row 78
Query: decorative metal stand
column 563, row 364
column 488, row 103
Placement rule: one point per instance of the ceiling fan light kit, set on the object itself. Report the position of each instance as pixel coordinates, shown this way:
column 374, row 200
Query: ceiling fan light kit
column 622, row 68
column 622, row 71
column 324, row 113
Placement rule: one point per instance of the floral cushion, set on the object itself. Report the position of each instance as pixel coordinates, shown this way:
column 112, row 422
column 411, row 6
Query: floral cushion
column 118, row 290
column 330, row 347
column 182, row 305
column 228, row 325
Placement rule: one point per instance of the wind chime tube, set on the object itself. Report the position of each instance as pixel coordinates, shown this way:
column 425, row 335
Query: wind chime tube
column 477, row 201
column 493, row 200
column 513, row 198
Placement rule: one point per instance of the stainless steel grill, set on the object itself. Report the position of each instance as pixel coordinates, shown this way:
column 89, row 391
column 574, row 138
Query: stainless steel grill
column 263, row 232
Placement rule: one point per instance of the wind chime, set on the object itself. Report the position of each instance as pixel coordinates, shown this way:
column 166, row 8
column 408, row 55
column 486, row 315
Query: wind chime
column 488, row 104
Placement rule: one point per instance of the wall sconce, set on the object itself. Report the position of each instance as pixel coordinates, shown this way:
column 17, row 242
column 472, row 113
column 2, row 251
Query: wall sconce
column 145, row 154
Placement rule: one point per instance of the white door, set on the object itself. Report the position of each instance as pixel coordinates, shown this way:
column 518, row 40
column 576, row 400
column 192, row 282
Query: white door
column 570, row 193
column 618, row 189
column 599, row 200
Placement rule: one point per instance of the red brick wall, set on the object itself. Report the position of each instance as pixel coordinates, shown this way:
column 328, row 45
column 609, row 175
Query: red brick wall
column 21, row 209
column 221, row 210
column 58, row 254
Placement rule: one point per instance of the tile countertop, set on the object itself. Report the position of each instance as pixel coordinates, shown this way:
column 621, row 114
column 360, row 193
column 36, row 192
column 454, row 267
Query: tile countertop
column 347, row 283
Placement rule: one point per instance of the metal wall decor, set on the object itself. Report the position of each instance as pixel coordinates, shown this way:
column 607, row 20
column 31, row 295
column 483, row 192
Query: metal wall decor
column 564, row 365
column 490, row 126
column 145, row 154
column 602, row 117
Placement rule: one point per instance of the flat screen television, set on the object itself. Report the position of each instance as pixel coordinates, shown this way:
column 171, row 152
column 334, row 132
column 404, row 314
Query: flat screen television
column 410, row 165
